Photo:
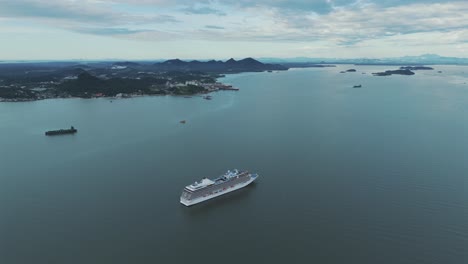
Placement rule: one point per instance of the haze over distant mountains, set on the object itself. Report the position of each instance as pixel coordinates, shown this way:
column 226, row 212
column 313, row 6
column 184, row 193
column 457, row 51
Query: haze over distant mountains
column 211, row 66
column 229, row 66
column 422, row 59
column 261, row 64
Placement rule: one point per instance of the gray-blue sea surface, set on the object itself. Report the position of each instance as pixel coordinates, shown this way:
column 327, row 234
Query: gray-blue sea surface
column 376, row 174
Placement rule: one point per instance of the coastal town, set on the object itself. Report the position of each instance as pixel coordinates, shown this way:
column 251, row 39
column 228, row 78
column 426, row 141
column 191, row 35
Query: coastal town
column 48, row 90
column 30, row 82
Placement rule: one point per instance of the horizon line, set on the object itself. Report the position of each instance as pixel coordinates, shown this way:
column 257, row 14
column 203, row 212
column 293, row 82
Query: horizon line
column 207, row 59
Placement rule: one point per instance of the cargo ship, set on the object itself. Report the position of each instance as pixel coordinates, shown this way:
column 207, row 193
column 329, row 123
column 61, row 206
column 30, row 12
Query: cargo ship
column 72, row 130
column 207, row 189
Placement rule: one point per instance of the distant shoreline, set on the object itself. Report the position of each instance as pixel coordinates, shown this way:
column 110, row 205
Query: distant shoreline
column 38, row 81
column 27, row 83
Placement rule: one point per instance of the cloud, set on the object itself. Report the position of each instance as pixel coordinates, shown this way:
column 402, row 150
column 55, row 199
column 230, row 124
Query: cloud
column 340, row 22
column 350, row 25
column 213, row 27
column 344, row 26
column 151, row 36
column 107, row 31
column 374, row 21
column 85, row 12
column 202, row 11
column 316, row 6
column 53, row 10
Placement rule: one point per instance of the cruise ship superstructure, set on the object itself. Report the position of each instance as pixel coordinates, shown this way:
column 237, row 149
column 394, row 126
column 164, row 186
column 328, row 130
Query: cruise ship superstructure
column 207, row 189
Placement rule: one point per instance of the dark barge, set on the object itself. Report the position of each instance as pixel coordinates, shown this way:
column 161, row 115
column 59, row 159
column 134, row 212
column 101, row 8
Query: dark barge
column 72, row 130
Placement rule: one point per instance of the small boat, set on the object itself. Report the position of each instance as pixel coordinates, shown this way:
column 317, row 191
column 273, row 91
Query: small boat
column 207, row 97
column 357, row 86
column 182, row 121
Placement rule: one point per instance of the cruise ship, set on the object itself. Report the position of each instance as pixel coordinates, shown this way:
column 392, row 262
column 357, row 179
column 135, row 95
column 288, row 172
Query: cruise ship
column 207, row 189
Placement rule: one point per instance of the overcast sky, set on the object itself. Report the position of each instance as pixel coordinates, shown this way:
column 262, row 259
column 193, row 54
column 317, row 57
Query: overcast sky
column 159, row 29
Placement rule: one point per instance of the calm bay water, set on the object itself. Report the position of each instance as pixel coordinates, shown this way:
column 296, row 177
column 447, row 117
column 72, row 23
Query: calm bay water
column 370, row 175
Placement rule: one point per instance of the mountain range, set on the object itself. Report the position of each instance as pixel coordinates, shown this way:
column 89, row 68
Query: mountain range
column 217, row 66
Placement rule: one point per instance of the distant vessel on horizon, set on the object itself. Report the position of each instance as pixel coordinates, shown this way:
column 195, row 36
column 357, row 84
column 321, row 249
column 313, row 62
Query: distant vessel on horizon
column 207, row 189
column 72, row 130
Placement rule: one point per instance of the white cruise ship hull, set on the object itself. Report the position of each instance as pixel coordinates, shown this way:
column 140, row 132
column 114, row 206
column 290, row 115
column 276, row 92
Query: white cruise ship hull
column 221, row 192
